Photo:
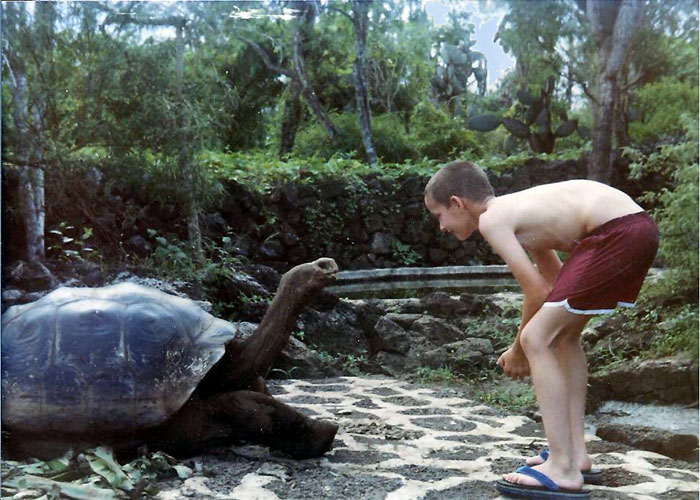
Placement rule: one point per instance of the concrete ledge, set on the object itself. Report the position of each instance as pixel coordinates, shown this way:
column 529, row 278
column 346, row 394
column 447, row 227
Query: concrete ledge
column 395, row 281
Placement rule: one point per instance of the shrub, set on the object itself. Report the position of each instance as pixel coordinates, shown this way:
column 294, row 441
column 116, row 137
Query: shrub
column 661, row 105
column 437, row 136
column 390, row 141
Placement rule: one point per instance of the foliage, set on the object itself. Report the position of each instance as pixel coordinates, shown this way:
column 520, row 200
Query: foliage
column 437, row 136
column 65, row 242
column 261, row 171
column 674, row 295
column 92, row 474
column 426, row 375
column 500, row 164
column 510, row 400
column 659, row 106
column 391, row 144
column 678, row 213
column 677, row 333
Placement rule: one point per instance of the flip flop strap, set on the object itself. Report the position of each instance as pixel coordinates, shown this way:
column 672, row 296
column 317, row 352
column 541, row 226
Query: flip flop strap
column 544, row 454
column 542, row 478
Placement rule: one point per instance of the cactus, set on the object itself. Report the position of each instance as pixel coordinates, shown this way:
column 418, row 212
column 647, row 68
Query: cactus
column 459, row 63
column 537, row 125
column 484, row 123
column 516, row 128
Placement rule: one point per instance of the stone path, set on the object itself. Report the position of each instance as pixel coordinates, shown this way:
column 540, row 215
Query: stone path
column 401, row 441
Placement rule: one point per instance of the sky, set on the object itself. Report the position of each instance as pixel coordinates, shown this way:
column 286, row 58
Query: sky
column 486, row 21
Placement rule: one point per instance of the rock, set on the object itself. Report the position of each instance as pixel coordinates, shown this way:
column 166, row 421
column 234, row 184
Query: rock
column 381, row 243
column 668, row 380
column 32, row 277
column 394, row 364
column 463, row 354
column 441, row 304
column 478, row 305
column 403, row 319
column 298, row 361
column 678, row 446
column 437, row 256
column 13, row 296
column 437, row 331
column 271, row 249
column 391, row 337
column 139, row 245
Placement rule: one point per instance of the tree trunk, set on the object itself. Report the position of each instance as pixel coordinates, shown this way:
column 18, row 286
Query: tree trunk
column 31, row 174
column 290, row 119
column 191, row 206
column 613, row 40
column 360, row 21
column 300, row 39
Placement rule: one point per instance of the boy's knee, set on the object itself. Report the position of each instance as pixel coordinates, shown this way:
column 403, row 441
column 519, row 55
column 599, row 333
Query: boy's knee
column 533, row 340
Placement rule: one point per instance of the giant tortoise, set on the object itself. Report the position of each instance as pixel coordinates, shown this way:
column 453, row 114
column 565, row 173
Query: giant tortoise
column 127, row 365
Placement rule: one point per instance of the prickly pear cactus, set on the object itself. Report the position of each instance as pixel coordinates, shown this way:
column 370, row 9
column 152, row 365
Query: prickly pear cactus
column 535, row 123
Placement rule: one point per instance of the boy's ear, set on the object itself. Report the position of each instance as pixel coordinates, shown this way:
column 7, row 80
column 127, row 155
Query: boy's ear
column 457, row 201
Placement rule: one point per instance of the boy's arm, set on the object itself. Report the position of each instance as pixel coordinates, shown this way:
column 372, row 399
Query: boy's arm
column 534, row 284
column 548, row 264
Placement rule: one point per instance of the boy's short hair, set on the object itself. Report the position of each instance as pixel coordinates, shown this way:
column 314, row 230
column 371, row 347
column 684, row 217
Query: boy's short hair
column 459, row 178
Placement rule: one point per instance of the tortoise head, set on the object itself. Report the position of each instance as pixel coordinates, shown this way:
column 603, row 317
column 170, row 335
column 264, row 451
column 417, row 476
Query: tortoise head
column 311, row 276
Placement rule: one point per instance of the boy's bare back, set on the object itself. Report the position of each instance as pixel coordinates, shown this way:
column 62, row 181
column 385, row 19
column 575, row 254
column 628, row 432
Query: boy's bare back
column 555, row 216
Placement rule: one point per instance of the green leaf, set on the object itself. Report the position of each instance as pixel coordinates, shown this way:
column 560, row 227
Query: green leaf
column 70, row 490
column 183, row 471
column 102, row 462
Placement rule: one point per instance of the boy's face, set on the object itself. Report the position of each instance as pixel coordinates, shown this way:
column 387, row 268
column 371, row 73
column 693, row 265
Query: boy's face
column 455, row 218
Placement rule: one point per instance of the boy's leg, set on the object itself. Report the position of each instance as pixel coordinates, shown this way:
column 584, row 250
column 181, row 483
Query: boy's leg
column 570, row 353
column 560, row 391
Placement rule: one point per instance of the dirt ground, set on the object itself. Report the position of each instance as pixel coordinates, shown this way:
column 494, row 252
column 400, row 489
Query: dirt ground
column 401, row 441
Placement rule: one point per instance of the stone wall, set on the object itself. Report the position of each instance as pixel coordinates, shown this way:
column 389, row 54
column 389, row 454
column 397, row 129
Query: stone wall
column 372, row 223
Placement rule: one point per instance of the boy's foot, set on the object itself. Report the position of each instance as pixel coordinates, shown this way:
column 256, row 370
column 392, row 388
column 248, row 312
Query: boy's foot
column 531, row 483
column 590, row 475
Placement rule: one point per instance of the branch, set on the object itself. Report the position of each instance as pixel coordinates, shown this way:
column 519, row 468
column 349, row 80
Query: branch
column 265, row 57
column 577, row 79
column 12, row 161
column 340, row 11
column 174, row 21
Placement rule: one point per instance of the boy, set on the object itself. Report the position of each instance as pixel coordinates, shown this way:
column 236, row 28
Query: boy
column 612, row 243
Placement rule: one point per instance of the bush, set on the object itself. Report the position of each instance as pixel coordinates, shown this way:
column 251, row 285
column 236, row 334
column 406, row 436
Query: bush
column 390, row 141
column 672, row 299
column 678, row 213
column 661, row 105
column 437, row 136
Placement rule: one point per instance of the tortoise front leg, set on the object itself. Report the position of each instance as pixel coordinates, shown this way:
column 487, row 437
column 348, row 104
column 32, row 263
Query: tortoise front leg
column 250, row 416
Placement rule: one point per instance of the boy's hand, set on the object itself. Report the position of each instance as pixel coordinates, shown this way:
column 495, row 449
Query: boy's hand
column 514, row 363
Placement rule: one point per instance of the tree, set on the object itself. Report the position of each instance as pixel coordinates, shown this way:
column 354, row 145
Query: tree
column 183, row 140
column 28, row 48
column 360, row 20
column 612, row 26
column 293, row 66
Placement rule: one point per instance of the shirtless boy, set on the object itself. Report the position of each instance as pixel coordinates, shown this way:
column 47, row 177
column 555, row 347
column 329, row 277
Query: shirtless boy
column 611, row 244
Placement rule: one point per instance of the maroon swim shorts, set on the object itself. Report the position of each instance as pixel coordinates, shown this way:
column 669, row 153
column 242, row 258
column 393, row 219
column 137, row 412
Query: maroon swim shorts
column 607, row 268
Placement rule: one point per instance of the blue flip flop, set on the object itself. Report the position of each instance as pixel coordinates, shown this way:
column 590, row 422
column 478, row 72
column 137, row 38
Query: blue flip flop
column 547, row 491
column 590, row 476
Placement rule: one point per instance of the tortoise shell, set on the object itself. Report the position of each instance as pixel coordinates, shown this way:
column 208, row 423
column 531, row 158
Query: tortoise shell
column 119, row 358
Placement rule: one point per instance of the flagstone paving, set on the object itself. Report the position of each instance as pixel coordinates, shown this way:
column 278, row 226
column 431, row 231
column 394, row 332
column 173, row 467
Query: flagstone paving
column 402, row 441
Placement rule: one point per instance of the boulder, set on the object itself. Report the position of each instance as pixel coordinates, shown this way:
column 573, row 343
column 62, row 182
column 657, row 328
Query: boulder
column 437, row 331
column 678, row 446
column 298, row 361
column 391, row 337
column 381, row 243
column 461, row 355
column 667, row 380
column 441, row 304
